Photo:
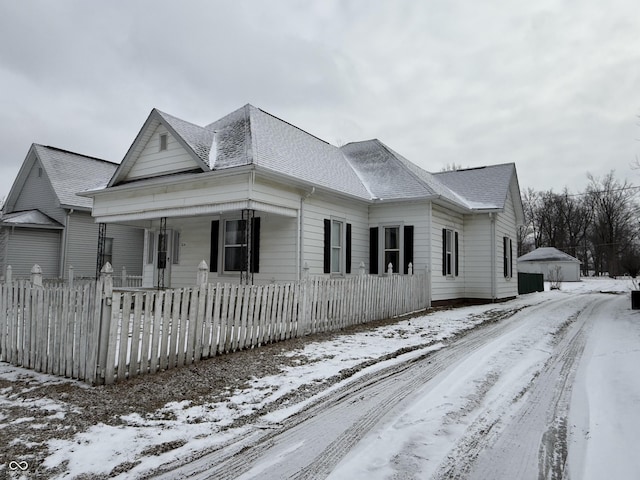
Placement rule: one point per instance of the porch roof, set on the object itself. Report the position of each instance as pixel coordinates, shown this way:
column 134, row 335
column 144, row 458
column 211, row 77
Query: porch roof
column 29, row 218
column 198, row 210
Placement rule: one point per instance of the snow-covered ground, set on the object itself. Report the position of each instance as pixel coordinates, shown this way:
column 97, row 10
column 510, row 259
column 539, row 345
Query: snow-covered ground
column 607, row 389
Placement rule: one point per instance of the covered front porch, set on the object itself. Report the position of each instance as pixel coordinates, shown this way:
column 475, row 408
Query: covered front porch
column 246, row 242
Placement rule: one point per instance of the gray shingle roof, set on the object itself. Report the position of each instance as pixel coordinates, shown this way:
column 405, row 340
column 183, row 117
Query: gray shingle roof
column 197, row 138
column 252, row 136
column 71, row 173
column 483, row 187
column 369, row 170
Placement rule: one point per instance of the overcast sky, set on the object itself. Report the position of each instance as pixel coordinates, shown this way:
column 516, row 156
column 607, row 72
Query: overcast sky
column 553, row 86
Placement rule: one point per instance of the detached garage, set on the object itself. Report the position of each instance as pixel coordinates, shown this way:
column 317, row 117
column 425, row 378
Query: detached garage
column 548, row 260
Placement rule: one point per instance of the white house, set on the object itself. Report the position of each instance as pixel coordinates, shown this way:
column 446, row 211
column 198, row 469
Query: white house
column 259, row 199
column 552, row 263
column 43, row 221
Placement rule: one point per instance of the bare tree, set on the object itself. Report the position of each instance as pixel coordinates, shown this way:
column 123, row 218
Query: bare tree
column 614, row 228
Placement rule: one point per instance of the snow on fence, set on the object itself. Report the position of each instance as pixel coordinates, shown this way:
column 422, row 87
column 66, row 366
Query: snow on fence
column 99, row 335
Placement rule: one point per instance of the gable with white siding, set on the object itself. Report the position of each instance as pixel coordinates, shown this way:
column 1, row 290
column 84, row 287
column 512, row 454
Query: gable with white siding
column 154, row 160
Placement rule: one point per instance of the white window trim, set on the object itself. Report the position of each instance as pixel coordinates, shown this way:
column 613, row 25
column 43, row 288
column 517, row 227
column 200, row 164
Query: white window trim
column 343, row 249
column 381, row 247
column 163, row 138
column 450, row 272
column 507, row 257
column 223, row 245
column 151, row 247
column 175, row 248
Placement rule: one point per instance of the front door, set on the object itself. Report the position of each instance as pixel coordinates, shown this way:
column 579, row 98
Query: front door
column 163, row 259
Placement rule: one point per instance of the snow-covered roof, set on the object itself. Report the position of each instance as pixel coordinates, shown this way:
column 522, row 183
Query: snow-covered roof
column 482, row 187
column 197, row 138
column 71, row 173
column 368, row 170
column 29, row 218
column 547, row 254
column 252, row 136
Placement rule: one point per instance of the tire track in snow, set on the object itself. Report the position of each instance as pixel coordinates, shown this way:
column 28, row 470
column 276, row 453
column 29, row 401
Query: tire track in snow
column 311, row 443
column 533, row 444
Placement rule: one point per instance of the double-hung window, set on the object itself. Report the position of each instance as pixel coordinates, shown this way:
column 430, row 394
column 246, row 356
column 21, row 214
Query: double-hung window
column 235, row 245
column 392, row 248
column 449, row 252
column 507, row 257
column 230, row 241
column 390, row 244
column 337, row 246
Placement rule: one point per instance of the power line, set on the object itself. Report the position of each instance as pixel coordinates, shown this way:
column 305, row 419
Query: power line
column 591, row 192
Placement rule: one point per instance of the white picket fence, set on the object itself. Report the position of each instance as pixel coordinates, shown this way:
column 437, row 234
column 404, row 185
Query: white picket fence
column 50, row 329
column 99, row 335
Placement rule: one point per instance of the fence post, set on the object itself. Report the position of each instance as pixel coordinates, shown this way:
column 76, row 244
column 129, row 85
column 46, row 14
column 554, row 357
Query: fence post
column 71, row 275
column 427, row 287
column 8, row 278
column 36, row 275
column 390, row 268
column 105, row 321
column 203, row 274
column 361, row 268
column 303, row 320
column 410, row 268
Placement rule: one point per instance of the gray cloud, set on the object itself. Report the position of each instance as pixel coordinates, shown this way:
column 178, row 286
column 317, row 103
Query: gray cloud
column 548, row 85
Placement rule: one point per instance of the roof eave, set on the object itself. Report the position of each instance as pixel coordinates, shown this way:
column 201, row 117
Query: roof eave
column 306, row 185
column 166, row 180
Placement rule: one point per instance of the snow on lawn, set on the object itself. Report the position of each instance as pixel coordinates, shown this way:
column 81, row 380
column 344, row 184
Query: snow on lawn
column 190, row 428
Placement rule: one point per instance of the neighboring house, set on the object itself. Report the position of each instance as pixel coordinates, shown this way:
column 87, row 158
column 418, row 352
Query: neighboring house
column 259, row 199
column 552, row 263
column 43, row 221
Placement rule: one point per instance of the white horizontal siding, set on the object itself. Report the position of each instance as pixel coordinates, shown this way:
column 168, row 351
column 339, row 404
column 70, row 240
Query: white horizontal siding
column 37, row 193
column 506, row 227
column 446, row 287
column 28, row 246
column 477, row 255
column 153, row 162
column 82, row 246
column 276, row 194
column 405, row 214
column 318, row 208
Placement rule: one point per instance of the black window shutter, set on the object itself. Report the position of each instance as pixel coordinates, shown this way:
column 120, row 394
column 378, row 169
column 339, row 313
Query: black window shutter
column 444, row 251
column 456, row 252
column 510, row 259
column 373, row 250
column 213, row 255
column 255, row 245
column 408, row 248
column 505, row 246
column 327, row 245
column 347, row 265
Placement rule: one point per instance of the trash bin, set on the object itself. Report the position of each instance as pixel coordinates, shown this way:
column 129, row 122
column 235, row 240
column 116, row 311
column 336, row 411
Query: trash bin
column 635, row 299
